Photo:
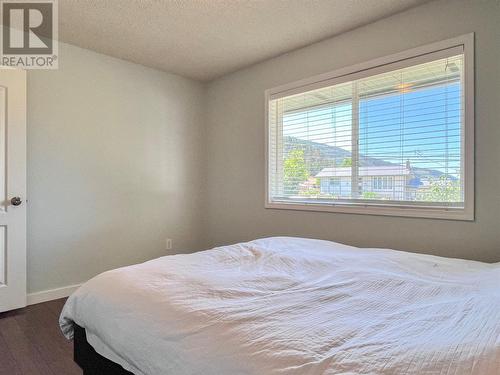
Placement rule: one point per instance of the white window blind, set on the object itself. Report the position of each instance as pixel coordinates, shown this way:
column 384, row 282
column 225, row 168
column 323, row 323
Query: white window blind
column 389, row 136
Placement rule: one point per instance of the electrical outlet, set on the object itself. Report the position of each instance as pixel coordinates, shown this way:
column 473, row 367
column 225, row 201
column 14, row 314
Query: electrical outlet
column 168, row 244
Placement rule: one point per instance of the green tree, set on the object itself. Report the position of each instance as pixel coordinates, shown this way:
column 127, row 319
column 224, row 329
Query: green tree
column 347, row 162
column 369, row 195
column 295, row 171
column 443, row 189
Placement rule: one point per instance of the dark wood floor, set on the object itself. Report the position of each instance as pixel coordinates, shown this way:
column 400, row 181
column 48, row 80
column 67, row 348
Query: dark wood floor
column 31, row 342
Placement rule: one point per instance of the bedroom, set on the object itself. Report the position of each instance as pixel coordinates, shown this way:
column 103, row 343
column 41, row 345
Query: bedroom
column 173, row 127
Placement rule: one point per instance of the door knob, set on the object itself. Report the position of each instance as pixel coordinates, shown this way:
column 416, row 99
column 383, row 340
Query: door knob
column 16, row 201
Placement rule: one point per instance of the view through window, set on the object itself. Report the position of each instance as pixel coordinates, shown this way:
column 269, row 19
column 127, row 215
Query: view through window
column 390, row 138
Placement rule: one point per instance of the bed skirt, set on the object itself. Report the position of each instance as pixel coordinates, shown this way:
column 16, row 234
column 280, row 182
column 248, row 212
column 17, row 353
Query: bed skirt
column 91, row 362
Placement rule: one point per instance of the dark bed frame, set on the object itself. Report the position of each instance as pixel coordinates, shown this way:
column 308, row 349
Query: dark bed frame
column 91, row 362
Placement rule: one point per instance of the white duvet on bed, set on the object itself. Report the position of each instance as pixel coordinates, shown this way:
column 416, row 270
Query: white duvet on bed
column 294, row 306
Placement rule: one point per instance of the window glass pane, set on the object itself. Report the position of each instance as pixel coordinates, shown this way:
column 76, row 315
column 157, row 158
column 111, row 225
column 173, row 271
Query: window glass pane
column 410, row 130
column 316, row 136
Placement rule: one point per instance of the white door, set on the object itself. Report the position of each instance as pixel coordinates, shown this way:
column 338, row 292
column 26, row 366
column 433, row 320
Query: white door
column 12, row 189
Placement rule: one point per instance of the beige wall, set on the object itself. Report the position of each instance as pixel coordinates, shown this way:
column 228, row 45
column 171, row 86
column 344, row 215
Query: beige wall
column 114, row 166
column 235, row 165
column 121, row 156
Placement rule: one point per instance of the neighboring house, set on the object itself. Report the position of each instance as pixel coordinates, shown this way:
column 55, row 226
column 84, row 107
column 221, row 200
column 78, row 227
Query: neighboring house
column 381, row 182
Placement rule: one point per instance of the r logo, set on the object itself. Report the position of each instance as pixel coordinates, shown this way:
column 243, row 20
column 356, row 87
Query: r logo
column 27, row 28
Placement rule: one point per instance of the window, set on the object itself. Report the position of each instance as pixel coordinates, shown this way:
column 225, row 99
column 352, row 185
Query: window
column 382, row 183
column 393, row 136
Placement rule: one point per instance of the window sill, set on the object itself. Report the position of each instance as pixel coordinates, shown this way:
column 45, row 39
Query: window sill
column 448, row 213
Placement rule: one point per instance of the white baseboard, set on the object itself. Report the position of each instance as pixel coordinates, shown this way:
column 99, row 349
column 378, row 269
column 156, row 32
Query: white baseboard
column 49, row 295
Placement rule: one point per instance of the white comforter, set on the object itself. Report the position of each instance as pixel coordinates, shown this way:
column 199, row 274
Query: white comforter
column 294, row 306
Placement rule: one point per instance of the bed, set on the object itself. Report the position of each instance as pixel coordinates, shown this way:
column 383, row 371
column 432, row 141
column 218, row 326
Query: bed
column 287, row 305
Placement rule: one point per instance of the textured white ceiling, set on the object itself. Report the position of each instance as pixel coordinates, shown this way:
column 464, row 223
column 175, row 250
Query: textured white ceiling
column 204, row 39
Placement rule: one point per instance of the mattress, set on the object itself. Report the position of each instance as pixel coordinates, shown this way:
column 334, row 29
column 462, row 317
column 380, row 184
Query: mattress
column 287, row 305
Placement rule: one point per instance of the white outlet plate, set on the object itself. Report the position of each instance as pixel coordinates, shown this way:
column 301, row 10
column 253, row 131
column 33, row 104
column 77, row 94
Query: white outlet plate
column 168, row 244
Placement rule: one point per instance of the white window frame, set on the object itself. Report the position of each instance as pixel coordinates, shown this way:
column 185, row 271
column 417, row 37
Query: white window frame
column 376, row 66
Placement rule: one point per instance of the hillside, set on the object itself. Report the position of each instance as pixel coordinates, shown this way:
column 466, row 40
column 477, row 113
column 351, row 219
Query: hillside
column 321, row 156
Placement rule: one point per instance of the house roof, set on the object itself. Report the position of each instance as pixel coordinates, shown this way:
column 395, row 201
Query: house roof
column 398, row 170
